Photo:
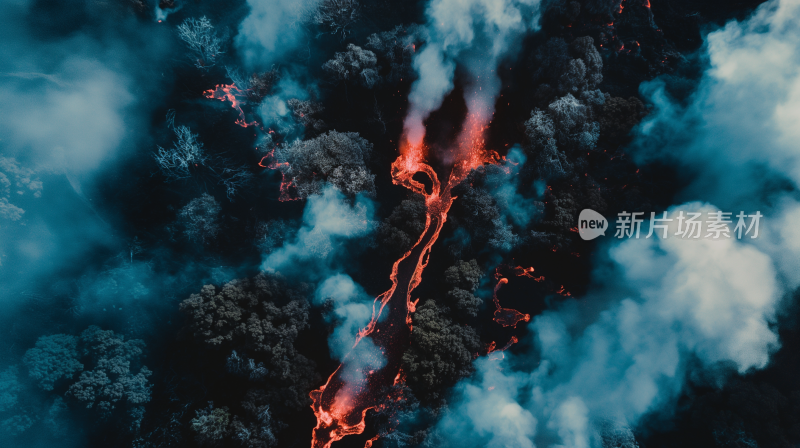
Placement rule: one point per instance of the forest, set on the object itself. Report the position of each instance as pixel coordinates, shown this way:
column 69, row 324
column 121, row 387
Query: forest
column 347, row 223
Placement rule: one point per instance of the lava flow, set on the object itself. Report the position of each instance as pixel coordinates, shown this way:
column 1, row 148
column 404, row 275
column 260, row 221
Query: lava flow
column 355, row 387
column 233, row 94
column 507, row 317
column 519, row 271
column 288, row 188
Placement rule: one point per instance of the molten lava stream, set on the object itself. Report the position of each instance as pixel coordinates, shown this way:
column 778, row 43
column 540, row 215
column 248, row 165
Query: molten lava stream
column 233, row 94
column 341, row 405
column 353, row 389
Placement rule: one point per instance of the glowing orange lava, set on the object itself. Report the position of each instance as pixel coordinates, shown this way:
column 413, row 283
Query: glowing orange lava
column 519, row 271
column 495, row 354
column 507, row 317
column 288, row 188
column 342, row 403
column 233, row 94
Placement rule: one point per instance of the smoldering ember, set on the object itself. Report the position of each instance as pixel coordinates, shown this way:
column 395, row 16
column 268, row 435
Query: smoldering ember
column 435, row 223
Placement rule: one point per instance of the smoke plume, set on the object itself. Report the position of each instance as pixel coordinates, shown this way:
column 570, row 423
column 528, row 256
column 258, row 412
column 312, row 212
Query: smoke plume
column 328, row 221
column 475, row 34
column 351, row 311
column 271, row 30
column 663, row 309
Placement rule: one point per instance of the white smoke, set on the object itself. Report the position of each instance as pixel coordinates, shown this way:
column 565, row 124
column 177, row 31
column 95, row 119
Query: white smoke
column 71, row 108
column 275, row 112
column 743, row 117
column 489, row 415
column 363, row 358
column 74, row 124
column 328, row 220
column 474, row 34
column 739, row 132
column 69, row 104
column 662, row 309
column 707, row 300
column 352, row 310
column 272, row 29
column 427, row 93
column 672, row 302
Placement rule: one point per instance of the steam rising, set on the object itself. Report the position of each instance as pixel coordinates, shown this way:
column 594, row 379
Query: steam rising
column 272, row 29
column 328, row 220
column 475, row 34
column 665, row 308
column 75, row 126
column 67, row 110
column 668, row 302
column 739, row 130
column 658, row 310
column 351, row 309
column 275, row 112
column 744, row 113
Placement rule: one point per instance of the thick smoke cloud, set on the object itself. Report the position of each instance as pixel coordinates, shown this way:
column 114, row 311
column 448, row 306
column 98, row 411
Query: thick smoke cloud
column 352, row 311
column 272, row 29
column 328, row 221
column 68, row 114
column 76, row 94
column 73, row 121
column 742, row 119
column 275, row 112
column 663, row 309
column 490, row 415
column 738, row 132
column 669, row 303
column 475, row 34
